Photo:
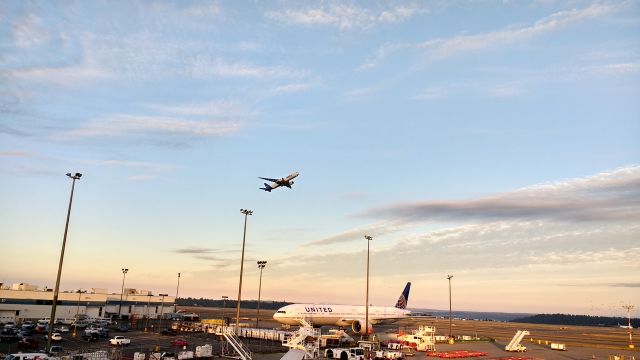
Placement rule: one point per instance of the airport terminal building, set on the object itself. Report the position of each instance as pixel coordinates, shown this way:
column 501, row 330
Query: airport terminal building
column 23, row 301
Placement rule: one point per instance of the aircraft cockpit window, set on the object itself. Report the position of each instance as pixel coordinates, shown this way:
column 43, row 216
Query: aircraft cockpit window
column 281, row 312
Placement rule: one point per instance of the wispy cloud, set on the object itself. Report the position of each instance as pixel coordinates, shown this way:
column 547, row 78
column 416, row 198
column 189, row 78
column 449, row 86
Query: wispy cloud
column 217, row 109
column 28, row 31
column 357, row 234
column 614, row 69
column 167, row 123
column 442, row 48
column 15, row 153
column 195, row 250
column 617, row 256
column 153, row 128
column 204, row 67
column 345, row 16
column 292, row 88
column 611, row 196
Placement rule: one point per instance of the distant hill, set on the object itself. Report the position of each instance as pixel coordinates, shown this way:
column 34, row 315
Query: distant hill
column 473, row 315
column 582, row 320
column 246, row 304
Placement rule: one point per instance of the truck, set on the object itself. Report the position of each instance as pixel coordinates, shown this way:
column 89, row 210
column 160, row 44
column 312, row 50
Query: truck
column 120, row 341
column 356, row 353
column 389, row 355
column 557, row 346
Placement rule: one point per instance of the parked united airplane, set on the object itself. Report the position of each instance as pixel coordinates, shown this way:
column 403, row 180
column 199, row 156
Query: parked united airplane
column 287, row 181
column 344, row 315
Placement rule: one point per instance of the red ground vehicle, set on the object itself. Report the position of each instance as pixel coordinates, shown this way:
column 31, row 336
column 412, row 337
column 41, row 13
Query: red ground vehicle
column 179, row 342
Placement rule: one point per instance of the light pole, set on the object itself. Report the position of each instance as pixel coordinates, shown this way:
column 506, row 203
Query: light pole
column 629, row 308
column 366, row 317
column 246, row 213
column 261, row 265
column 224, row 308
column 449, row 278
column 146, row 324
column 124, row 273
column 64, row 243
column 162, row 308
column 175, row 304
column 79, row 291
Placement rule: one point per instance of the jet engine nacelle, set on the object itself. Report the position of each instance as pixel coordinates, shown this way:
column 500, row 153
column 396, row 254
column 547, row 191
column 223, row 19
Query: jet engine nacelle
column 357, row 327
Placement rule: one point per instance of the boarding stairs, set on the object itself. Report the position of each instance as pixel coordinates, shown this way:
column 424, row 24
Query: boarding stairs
column 514, row 344
column 241, row 350
column 306, row 339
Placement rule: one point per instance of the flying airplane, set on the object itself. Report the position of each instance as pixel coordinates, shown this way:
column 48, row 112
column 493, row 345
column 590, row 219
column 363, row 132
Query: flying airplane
column 286, row 181
column 344, row 315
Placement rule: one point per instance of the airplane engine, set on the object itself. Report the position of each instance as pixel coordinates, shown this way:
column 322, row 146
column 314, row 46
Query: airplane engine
column 291, row 182
column 357, row 327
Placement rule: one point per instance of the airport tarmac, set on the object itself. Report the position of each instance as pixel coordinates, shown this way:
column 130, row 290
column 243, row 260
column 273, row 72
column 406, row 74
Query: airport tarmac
column 582, row 342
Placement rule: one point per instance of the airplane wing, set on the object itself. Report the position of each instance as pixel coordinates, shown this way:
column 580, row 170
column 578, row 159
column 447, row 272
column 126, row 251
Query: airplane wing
column 268, row 179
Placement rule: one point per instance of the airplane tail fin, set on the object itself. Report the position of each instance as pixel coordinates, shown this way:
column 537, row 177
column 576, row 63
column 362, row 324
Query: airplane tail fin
column 404, row 297
column 266, row 187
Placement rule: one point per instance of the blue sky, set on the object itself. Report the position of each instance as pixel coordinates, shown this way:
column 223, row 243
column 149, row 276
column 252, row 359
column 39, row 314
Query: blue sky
column 493, row 140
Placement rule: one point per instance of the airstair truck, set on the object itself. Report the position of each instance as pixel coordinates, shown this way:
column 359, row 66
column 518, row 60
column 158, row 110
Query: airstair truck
column 514, row 345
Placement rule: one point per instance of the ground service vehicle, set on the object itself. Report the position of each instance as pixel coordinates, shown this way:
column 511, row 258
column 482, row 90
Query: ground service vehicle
column 345, row 354
column 169, row 332
column 179, row 342
column 27, row 356
column 120, row 341
column 389, row 354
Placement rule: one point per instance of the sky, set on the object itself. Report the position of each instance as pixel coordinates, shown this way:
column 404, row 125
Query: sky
column 495, row 141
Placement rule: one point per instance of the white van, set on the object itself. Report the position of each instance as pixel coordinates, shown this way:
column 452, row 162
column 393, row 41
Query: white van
column 27, row 356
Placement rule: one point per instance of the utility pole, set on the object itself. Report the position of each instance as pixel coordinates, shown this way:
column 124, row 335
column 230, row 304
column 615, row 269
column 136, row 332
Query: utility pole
column 64, row 243
column 629, row 308
column 261, row 265
column 366, row 316
column 450, row 333
column 175, row 305
column 124, row 273
column 246, row 213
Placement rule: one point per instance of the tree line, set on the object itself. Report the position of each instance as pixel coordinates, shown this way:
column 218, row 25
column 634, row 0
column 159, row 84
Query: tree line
column 220, row 303
column 582, row 320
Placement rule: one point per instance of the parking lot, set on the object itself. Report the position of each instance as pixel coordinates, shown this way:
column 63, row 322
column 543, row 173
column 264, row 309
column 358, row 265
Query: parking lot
column 141, row 341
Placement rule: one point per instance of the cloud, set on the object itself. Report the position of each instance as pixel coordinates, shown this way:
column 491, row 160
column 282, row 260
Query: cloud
column 614, row 256
column 609, row 196
column 28, row 31
column 65, row 75
column 15, row 153
column 141, row 177
column 625, row 285
column 292, row 88
column 442, row 48
column 357, row 234
column 148, row 127
column 204, row 67
column 154, row 167
column 195, row 250
column 218, row 109
column 344, row 16
column 614, row 69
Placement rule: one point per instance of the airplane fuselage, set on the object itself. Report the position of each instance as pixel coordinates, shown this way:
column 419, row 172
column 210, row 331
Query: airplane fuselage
column 338, row 315
column 276, row 183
